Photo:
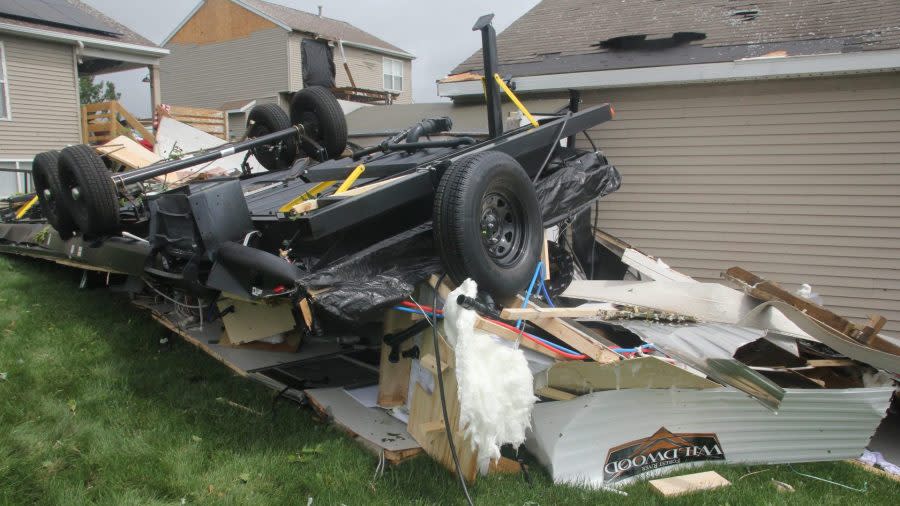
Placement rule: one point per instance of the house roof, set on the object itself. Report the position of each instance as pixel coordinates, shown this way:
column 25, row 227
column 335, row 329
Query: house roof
column 321, row 26
column 560, row 36
column 124, row 36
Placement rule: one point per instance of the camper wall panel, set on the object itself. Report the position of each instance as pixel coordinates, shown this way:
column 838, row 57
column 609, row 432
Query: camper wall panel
column 795, row 180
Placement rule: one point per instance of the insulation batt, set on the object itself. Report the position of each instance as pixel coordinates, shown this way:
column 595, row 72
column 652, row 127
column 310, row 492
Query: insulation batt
column 495, row 385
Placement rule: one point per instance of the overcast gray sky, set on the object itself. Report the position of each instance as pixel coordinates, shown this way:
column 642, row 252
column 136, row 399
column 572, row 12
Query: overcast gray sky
column 438, row 33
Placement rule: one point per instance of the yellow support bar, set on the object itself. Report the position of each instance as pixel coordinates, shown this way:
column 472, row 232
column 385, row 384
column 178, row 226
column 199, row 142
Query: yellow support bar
column 350, row 179
column 24, row 209
column 315, row 190
column 512, row 96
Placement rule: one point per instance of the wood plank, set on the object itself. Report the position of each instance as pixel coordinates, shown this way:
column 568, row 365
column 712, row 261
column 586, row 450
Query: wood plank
column 577, row 339
column 305, row 206
column 762, row 289
column 425, row 414
column 555, row 394
column 134, row 123
column 527, row 313
column 680, row 485
column 359, row 190
column 643, row 373
column 510, row 335
column 126, row 151
column 393, row 379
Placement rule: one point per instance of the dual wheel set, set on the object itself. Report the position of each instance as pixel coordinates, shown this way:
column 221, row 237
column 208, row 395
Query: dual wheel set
column 77, row 193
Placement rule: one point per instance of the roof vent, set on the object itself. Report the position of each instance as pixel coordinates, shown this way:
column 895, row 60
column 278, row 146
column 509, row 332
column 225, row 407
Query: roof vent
column 641, row 42
column 745, row 14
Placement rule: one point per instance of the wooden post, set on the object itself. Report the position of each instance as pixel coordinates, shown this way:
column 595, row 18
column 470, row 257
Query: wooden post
column 155, row 92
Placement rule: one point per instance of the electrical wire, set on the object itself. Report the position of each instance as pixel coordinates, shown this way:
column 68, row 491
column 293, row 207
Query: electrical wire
column 440, row 377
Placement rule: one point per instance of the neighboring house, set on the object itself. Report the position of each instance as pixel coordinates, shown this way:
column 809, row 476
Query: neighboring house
column 229, row 53
column 42, row 53
column 765, row 134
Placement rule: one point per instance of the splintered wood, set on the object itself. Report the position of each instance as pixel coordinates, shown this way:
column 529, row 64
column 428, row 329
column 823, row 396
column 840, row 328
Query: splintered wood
column 763, row 289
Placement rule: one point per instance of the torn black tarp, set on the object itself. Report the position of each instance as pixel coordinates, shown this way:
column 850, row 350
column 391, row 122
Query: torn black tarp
column 359, row 286
column 573, row 184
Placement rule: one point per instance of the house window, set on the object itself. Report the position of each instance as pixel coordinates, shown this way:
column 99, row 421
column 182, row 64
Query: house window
column 4, row 85
column 393, row 74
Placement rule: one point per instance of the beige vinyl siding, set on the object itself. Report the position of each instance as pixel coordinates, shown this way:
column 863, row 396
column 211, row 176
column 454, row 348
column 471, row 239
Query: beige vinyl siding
column 295, row 62
column 796, row 180
column 43, row 98
column 208, row 75
column 366, row 67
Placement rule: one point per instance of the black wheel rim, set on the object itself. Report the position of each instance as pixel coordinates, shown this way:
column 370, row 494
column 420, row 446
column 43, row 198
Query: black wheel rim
column 502, row 227
column 267, row 154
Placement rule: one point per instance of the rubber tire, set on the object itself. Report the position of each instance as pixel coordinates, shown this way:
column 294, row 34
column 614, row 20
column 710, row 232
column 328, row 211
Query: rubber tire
column 265, row 119
column 332, row 125
column 457, row 222
column 96, row 212
column 45, row 174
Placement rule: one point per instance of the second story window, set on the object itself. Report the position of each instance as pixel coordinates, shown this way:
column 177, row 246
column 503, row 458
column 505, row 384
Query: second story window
column 393, row 74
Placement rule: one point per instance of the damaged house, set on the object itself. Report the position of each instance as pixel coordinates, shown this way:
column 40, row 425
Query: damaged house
column 754, row 133
column 290, row 49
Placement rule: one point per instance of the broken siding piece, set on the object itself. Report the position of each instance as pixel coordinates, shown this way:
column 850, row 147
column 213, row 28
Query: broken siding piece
column 769, row 291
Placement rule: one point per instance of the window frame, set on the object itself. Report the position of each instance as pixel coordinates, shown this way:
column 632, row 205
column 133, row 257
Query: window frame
column 4, row 79
column 384, row 61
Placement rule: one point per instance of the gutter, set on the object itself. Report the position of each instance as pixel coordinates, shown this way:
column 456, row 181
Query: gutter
column 80, row 40
column 740, row 70
column 390, row 52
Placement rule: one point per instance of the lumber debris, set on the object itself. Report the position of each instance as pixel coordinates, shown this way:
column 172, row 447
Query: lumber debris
column 770, row 291
column 688, row 483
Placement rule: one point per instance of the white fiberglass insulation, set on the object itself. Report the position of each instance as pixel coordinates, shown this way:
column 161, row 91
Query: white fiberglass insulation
column 495, row 384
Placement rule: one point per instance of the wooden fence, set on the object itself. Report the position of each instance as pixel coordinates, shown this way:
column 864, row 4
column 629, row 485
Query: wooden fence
column 104, row 121
column 211, row 121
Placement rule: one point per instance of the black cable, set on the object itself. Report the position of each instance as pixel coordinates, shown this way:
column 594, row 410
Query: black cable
column 440, row 377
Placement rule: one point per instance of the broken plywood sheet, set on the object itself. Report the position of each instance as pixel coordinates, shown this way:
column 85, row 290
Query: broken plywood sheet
column 374, row 428
column 688, row 483
column 173, row 137
column 643, row 372
column 247, row 322
column 585, row 441
column 129, row 153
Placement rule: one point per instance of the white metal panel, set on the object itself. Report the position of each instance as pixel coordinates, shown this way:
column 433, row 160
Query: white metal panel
column 572, row 438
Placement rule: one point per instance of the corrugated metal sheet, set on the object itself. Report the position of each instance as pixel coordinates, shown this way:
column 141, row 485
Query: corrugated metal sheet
column 43, row 98
column 573, row 437
column 795, row 180
column 710, row 348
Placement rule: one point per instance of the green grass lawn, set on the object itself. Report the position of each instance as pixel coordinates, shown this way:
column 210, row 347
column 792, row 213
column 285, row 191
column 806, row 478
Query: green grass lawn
column 94, row 411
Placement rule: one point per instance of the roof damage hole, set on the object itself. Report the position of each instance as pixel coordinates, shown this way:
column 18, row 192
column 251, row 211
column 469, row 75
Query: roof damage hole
column 641, row 42
column 745, row 14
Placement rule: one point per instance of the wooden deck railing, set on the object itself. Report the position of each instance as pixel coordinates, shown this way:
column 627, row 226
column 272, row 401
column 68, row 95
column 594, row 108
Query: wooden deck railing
column 104, row 121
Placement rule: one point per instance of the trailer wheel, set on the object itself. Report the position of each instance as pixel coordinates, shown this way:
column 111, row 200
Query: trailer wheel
column 487, row 223
column 322, row 118
column 265, row 119
column 88, row 192
column 45, row 173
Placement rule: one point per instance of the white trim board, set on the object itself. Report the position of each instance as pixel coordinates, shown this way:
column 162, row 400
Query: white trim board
column 39, row 33
column 739, row 70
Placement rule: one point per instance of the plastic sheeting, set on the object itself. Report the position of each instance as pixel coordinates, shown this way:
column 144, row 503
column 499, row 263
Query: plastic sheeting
column 574, row 184
column 361, row 285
